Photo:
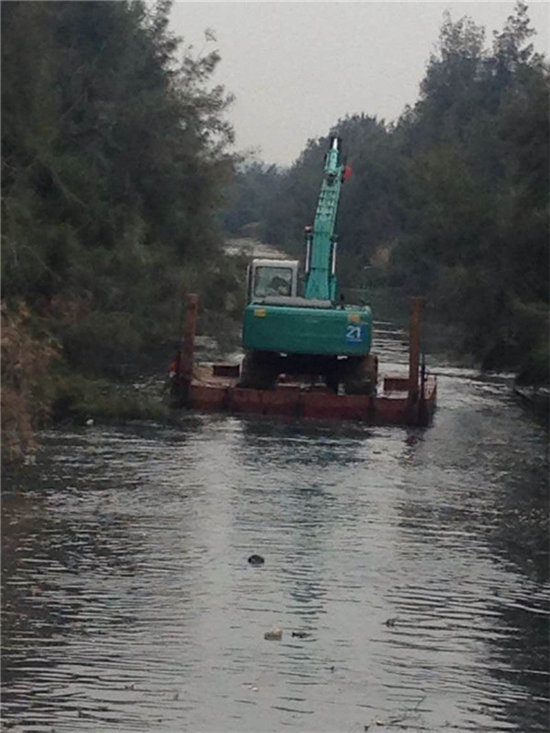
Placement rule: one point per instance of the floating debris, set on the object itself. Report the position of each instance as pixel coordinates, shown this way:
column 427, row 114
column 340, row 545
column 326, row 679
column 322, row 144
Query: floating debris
column 273, row 635
column 301, row 634
column 256, row 560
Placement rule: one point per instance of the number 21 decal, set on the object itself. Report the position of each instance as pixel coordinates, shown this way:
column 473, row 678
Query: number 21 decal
column 355, row 333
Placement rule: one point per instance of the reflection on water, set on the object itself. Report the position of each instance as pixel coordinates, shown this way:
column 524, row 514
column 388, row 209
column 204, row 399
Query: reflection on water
column 413, row 564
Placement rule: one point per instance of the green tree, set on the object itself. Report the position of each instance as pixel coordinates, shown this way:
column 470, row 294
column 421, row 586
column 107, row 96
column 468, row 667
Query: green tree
column 250, row 195
column 115, row 162
column 475, row 231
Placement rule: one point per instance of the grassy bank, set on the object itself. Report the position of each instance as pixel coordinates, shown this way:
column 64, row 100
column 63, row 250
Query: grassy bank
column 63, row 360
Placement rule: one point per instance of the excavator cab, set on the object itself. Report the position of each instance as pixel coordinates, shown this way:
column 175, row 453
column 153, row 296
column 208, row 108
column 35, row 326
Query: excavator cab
column 267, row 279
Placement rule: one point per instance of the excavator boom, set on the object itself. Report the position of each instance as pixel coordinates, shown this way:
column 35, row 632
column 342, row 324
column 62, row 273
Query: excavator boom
column 321, row 260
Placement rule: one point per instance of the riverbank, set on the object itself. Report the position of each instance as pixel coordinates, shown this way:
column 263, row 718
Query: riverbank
column 68, row 357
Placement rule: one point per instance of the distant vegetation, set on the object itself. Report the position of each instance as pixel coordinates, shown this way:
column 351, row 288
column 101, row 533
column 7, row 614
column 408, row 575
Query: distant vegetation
column 118, row 187
column 451, row 201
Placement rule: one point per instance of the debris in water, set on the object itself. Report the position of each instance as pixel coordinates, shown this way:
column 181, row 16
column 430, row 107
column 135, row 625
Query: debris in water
column 273, row 635
column 391, row 621
column 301, row 634
column 256, row 560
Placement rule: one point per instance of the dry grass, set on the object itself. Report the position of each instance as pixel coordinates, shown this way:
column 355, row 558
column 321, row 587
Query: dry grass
column 25, row 362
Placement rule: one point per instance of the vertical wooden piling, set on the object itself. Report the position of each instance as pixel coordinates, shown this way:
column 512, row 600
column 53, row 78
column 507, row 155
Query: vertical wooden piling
column 414, row 351
column 187, row 351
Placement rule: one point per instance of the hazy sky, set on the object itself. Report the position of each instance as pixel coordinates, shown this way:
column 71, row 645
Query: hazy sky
column 296, row 68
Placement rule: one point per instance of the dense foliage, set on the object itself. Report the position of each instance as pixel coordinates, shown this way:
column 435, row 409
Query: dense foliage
column 114, row 166
column 250, row 196
column 452, row 200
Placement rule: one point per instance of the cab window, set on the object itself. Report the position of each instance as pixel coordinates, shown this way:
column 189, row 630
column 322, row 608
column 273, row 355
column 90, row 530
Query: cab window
column 272, row 281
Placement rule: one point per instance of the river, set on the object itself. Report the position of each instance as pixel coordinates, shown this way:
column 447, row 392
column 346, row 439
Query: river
column 411, row 565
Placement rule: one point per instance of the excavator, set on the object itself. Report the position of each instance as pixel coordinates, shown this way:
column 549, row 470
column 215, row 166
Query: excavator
column 308, row 331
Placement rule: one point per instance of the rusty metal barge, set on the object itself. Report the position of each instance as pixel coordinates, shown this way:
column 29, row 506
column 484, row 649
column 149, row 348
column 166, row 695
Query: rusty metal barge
column 398, row 399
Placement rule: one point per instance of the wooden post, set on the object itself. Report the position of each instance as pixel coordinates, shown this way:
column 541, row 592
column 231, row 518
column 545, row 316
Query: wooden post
column 414, row 349
column 187, row 353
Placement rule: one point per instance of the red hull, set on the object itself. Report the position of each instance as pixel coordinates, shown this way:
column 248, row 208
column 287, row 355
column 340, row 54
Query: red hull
column 215, row 389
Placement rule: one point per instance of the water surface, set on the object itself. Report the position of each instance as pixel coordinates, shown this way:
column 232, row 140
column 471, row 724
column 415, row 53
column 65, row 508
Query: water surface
column 414, row 561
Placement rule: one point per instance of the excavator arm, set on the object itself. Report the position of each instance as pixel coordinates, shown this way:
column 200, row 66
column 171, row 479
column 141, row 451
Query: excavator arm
column 321, row 240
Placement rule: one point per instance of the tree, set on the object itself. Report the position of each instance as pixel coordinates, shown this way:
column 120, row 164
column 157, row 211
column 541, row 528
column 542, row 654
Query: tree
column 250, row 195
column 476, row 228
column 115, row 162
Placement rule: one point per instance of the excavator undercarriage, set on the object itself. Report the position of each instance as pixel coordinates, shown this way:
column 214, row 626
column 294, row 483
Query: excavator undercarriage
column 354, row 374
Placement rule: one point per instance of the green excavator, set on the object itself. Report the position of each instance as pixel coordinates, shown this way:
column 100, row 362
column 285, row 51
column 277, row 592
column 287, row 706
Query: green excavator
column 313, row 333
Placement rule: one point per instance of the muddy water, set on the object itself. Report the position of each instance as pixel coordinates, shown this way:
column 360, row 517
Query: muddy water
column 412, row 564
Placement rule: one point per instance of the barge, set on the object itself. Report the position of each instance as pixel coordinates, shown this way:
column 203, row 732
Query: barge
column 396, row 399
